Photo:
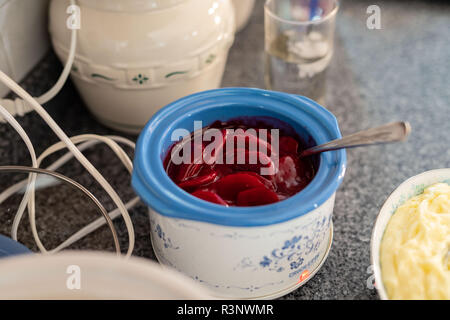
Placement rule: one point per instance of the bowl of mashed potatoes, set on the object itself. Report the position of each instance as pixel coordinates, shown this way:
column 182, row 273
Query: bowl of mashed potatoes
column 410, row 246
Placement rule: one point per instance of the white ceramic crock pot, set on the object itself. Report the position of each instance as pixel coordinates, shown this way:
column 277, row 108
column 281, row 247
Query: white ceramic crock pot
column 99, row 275
column 408, row 189
column 243, row 10
column 134, row 56
column 240, row 252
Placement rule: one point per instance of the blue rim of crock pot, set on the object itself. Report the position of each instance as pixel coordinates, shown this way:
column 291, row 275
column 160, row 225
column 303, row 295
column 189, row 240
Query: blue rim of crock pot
column 162, row 195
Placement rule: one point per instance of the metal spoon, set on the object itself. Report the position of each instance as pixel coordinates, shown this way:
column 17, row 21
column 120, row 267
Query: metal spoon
column 391, row 132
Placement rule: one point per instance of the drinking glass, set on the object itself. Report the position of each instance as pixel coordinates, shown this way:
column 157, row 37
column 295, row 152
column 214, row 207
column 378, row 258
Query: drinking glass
column 299, row 45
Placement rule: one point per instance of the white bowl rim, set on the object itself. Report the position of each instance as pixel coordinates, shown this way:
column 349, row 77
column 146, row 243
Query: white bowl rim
column 374, row 254
column 135, row 268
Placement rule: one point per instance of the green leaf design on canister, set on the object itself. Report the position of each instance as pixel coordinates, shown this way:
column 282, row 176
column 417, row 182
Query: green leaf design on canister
column 175, row 73
column 97, row 75
column 211, row 58
column 140, row 78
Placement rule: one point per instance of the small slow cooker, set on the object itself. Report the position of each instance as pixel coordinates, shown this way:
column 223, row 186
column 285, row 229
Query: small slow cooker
column 240, row 252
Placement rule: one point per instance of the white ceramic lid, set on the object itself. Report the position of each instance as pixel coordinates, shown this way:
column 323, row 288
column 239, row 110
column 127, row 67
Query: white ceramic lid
column 181, row 33
column 129, row 5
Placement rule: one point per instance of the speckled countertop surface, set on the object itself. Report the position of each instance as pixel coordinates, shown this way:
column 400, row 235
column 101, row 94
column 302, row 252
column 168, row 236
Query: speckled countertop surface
column 400, row 72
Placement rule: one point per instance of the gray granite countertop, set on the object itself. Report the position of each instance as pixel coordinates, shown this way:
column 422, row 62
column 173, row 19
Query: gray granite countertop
column 400, row 72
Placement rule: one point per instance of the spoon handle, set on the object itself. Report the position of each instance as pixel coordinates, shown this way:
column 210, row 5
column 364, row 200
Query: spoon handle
column 391, row 132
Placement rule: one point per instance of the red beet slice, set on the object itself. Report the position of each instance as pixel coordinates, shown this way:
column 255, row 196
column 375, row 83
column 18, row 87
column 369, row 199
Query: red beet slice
column 256, row 197
column 217, row 152
column 217, row 181
column 288, row 145
column 198, row 181
column 250, row 139
column 228, row 187
column 191, row 169
column 209, row 196
column 262, row 161
column 187, row 171
column 267, row 183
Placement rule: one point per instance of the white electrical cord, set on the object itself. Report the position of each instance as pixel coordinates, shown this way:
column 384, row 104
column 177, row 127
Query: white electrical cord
column 28, row 103
column 78, row 155
column 61, row 161
column 32, row 177
column 93, row 226
column 20, row 107
column 90, row 138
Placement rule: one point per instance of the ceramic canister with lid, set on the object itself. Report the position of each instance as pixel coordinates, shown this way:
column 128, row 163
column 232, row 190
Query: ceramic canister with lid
column 243, row 9
column 133, row 56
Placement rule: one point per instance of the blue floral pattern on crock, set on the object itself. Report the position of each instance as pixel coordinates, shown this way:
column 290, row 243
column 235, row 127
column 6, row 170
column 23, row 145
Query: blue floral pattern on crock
column 293, row 252
column 250, row 288
column 166, row 240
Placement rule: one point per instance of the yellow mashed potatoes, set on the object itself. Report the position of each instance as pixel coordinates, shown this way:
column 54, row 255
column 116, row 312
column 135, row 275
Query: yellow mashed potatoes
column 415, row 258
